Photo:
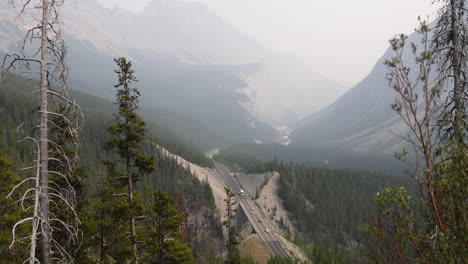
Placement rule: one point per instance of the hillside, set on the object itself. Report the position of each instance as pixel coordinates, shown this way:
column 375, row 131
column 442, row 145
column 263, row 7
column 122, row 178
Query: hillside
column 361, row 119
column 16, row 104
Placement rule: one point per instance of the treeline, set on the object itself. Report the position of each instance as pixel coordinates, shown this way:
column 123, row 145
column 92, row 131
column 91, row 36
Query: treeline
column 321, row 156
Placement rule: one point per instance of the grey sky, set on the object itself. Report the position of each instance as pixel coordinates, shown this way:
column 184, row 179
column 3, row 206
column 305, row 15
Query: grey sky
column 341, row 39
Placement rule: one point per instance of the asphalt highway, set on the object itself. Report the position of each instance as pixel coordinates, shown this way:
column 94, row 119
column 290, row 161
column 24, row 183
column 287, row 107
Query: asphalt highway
column 259, row 221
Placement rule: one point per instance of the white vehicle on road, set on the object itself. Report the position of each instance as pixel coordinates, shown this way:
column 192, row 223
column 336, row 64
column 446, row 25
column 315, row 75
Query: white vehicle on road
column 267, row 230
column 242, row 192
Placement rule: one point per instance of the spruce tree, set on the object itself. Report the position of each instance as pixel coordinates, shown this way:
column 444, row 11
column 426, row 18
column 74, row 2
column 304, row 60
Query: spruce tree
column 163, row 243
column 128, row 131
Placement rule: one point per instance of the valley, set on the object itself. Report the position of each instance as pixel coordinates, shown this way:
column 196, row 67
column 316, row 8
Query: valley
column 211, row 132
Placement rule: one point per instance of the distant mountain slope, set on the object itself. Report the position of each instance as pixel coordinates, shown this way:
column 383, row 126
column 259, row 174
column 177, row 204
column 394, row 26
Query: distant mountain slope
column 361, row 119
column 190, row 32
column 203, row 94
column 206, row 108
column 175, row 44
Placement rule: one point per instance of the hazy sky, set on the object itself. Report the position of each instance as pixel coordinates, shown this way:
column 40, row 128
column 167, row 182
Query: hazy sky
column 342, row 39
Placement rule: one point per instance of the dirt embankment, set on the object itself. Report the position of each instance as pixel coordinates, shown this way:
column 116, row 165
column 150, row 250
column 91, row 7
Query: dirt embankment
column 271, row 205
column 204, row 174
column 253, row 246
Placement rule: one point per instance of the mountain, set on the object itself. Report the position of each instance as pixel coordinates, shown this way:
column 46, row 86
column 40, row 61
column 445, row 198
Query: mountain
column 361, row 119
column 189, row 62
column 287, row 89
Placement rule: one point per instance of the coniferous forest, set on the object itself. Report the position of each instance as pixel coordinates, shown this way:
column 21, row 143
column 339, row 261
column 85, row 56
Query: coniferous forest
column 91, row 180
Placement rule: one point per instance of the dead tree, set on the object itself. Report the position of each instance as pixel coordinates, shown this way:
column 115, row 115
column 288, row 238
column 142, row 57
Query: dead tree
column 450, row 43
column 42, row 52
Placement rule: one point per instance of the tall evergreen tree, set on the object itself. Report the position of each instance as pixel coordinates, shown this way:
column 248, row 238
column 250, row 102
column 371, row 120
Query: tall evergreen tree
column 163, row 245
column 128, row 133
column 233, row 255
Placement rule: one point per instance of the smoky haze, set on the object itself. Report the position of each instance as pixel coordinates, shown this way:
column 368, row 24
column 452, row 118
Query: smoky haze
column 340, row 39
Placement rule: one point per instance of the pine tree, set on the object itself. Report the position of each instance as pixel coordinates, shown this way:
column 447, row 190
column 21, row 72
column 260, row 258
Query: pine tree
column 110, row 215
column 163, row 243
column 233, row 255
column 128, row 134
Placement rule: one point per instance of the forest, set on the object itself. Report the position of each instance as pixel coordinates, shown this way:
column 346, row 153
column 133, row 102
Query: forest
column 195, row 197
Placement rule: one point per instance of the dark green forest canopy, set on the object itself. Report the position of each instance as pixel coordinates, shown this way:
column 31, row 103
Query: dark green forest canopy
column 321, row 156
column 17, row 104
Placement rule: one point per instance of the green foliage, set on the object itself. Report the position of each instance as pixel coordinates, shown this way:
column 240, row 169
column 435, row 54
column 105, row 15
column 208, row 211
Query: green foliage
column 393, row 222
column 161, row 242
column 281, row 260
column 248, row 260
column 431, row 227
column 250, row 156
column 128, row 129
column 17, row 103
column 451, row 183
column 123, row 174
column 403, row 228
column 10, row 213
column 324, row 250
column 237, row 162
column 109, row 230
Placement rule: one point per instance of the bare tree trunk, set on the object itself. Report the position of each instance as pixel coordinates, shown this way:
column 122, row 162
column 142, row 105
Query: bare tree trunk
column 52, row 53
column 457, row 89
column 132, row 219
column 35, row 220
column 43, row 142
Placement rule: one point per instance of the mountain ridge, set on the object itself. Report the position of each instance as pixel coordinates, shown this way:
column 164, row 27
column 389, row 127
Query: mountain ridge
column 361, row 119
